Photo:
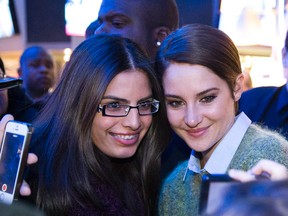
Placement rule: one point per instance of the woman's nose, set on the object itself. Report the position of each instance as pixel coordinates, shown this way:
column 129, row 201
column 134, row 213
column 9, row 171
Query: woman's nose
column 132, row 120
column 192, row 116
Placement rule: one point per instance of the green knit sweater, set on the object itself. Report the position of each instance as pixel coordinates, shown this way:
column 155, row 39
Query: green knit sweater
column 180, row 197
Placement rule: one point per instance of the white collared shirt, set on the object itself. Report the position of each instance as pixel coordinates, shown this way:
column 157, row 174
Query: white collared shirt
column 224, row 152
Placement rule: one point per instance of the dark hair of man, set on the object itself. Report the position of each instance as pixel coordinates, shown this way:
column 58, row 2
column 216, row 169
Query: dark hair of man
column 62, row 138
column 202, row 45
column 156, row 14
column 27, row 52
column 161, row 13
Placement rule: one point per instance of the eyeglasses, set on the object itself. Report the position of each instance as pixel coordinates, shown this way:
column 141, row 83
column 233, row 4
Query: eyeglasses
column 121, row 110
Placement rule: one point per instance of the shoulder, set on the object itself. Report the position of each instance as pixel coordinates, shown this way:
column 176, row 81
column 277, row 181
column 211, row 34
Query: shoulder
column 177, row 197
column 177, row 174
column 256, row 99
column 256, row 93
column 261, row 142
column 173, row 183
column 260, row 91
column 261, row 133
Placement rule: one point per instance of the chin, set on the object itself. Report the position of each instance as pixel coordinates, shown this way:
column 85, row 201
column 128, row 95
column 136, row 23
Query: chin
column 124, row 154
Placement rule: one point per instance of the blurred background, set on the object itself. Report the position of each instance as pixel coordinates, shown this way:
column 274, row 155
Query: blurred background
column 258, row 28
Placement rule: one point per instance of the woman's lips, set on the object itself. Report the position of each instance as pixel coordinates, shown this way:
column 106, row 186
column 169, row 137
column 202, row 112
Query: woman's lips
column 197, row 132
column 126, row 139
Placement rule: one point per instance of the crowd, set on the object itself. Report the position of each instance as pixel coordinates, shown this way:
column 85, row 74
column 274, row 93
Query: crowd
column 142, row 110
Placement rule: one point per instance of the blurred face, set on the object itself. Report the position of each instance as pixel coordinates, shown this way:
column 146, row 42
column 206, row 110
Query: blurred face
column 124, row 18
column 37, row 72
column 200, row 106
column 119, row 137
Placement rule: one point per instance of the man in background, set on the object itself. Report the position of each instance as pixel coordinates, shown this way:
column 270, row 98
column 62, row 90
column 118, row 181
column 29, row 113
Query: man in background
column 146, row 22
column 38, row 73
column 269, row 105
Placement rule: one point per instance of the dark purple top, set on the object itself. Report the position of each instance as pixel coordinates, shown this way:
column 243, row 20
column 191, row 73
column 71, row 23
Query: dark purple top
column 113, row 205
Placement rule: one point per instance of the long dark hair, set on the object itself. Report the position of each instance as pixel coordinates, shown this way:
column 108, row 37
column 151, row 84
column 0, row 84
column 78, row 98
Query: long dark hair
column 202, row 45
column 62, row 138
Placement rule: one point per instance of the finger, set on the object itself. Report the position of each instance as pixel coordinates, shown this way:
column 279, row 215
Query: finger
column 32, row 158
column 4, row 120
column 241, row 175
column 25, row 189
column 277, row 171
column 3, row 123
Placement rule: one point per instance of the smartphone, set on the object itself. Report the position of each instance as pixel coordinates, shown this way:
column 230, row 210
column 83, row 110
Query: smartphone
column 13, row 159
column 9, row 82
column 212, row 189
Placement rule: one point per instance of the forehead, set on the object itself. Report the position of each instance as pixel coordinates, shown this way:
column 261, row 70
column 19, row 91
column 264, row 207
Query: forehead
column 124, row 7
column 192, row 78
column 130, row 82
column 36, row 54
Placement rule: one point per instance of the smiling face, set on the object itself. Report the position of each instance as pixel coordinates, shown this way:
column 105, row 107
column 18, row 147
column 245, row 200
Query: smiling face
column 200, row 106
column 119, row 137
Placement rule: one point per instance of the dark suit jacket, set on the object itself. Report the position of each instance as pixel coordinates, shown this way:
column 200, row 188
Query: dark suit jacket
column 21, row 106
column 267, row 106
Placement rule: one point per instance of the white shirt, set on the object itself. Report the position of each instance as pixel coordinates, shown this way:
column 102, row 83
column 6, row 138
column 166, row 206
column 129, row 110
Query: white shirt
column 224, row 152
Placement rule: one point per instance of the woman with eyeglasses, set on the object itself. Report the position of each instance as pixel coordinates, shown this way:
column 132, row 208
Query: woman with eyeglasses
column 100, row 137
column 202, row 80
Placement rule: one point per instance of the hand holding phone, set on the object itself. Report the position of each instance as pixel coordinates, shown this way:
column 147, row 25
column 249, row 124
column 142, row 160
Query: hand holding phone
column 13, row 158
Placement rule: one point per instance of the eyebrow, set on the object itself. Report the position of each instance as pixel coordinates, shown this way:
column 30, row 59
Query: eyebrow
column 124, row 100
column 198, row 94
column 110, row 15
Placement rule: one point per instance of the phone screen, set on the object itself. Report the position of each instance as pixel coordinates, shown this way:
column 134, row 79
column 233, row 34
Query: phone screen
column 213, row 188
column 10, row 161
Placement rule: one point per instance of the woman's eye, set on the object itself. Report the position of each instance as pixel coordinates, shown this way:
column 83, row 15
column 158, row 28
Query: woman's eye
column 208, row 99
column 145, row 105
column 174, row 104
column 113, row 105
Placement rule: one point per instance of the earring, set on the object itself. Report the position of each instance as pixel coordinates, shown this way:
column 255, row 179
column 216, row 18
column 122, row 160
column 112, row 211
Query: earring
column 158, row 43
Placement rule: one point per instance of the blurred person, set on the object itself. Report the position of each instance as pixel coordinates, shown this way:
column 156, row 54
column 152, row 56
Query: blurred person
column 37, row 70
column 203, row 83
column 269, row 105
column 146, row 22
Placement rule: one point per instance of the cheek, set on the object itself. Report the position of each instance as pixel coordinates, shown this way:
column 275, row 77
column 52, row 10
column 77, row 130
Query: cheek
column 147, row 122
column 99, row 127
column 174, row 117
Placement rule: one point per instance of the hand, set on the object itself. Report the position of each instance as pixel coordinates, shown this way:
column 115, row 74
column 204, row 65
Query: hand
column 275, row 170
column 32, row 158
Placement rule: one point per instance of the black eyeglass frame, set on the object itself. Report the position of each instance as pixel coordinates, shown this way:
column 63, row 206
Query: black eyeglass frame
column 153, row 102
